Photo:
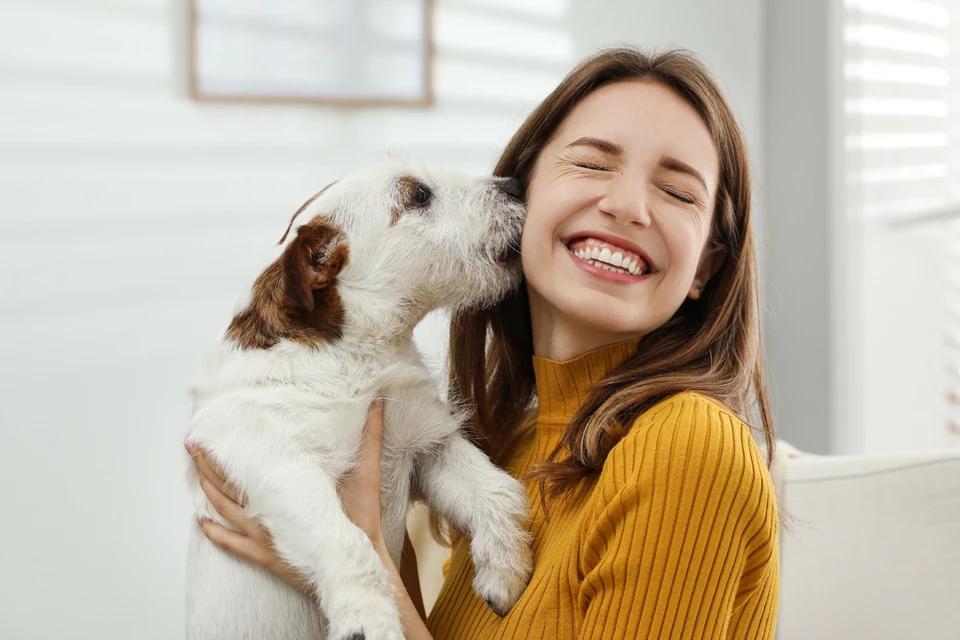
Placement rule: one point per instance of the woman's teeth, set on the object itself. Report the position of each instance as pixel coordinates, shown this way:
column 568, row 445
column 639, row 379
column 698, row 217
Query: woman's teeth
column 613, row 261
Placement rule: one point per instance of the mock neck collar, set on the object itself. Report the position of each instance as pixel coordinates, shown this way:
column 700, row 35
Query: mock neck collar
column 563, row 386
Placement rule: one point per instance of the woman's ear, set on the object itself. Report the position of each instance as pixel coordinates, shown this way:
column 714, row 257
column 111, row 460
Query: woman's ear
column 711, row 260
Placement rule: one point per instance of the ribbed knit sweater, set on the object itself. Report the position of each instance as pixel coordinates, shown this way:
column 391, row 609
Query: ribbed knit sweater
column 678, row 537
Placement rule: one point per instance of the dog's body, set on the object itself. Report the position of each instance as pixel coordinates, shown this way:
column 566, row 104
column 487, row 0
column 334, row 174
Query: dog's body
column 282, row 405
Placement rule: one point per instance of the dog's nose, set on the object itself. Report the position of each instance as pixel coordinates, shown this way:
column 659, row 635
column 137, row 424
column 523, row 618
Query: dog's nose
column 511, row 187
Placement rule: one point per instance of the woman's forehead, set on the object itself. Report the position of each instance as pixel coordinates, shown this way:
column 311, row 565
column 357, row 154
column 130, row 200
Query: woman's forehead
column 642, row 117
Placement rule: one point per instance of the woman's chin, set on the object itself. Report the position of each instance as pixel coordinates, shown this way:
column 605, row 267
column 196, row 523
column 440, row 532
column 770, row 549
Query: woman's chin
column 607, row 319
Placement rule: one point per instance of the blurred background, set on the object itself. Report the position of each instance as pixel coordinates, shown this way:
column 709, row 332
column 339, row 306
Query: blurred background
column 139, row 197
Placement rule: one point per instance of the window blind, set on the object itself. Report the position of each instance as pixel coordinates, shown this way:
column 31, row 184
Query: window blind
column 901, row 129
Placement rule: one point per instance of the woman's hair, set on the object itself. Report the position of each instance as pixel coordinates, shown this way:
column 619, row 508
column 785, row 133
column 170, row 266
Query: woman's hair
column 710, row 345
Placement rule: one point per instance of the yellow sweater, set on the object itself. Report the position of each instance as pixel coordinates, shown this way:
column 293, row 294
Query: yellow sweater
column 678, row 538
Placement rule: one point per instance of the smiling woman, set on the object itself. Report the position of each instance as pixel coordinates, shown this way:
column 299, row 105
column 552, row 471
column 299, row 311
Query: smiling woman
column 617, row 382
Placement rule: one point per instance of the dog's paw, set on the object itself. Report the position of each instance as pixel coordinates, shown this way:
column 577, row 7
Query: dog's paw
column 365, row 634
column 371, row 628
column 501, row 583
column 497, row 610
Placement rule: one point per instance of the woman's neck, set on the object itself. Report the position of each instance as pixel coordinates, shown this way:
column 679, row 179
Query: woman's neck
column 557, row 336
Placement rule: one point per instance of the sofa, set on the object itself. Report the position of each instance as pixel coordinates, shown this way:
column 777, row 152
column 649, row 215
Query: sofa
column 870, row 545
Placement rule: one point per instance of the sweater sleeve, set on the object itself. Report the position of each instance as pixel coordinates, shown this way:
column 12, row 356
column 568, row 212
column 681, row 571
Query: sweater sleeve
column 683, row 539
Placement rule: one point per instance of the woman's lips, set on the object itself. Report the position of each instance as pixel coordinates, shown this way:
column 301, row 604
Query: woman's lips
column 600, row 272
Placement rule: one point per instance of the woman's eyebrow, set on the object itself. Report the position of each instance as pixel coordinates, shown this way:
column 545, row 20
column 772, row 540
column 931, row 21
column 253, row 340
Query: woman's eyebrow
column 667, row 162
column 597, row 143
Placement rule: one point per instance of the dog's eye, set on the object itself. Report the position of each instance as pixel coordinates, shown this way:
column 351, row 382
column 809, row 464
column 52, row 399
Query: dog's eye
column 413, row 195
column 421, row 196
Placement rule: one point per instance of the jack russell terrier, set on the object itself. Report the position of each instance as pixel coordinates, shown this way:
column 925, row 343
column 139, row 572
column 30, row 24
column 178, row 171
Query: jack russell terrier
column 282, row 403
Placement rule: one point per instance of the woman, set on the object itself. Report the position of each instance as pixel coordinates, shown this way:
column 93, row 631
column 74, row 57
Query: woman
column 613, row 382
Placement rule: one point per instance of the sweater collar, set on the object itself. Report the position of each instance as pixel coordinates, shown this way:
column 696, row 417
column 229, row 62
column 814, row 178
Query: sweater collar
column 563, row 386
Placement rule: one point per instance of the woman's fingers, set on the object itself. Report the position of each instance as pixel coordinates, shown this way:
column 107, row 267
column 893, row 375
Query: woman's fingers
column 253, row 542
column 212, row 472
column 361, row 493
column 234, row 514
column 372, row 445
column 260, row 555
column 237, row 543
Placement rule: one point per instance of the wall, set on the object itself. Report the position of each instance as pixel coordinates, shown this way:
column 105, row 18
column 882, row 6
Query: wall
column 131, row 219
column 803, row 334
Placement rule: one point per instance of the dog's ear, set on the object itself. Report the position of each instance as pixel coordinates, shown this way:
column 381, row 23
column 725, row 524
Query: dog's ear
column 311, row 262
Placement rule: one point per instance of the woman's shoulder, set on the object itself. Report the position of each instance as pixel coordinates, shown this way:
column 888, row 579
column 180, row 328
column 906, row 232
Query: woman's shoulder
column 688, row 463
column 687, row 433
column 687, row 412
column 690, row 399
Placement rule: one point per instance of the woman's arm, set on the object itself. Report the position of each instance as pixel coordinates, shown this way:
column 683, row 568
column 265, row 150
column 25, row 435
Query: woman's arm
column 411, row 576
column 685, row 537
column 361, row 502
column 411, row 616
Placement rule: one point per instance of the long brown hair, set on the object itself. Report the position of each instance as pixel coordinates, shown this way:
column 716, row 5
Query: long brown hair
column 711, row 345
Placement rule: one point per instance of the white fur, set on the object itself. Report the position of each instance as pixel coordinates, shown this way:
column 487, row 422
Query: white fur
column 285, row 424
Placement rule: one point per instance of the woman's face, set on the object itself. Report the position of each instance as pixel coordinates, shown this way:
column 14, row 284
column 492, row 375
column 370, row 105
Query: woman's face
column 619, row 209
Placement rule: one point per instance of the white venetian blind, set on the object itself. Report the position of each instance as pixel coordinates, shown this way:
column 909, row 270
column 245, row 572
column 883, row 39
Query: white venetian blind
column 902, row 156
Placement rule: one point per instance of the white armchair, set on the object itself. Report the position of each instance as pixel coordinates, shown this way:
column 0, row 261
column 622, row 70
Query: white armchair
column 873, row 549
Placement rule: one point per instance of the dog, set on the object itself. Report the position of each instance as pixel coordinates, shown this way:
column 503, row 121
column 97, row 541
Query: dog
column 282, row 402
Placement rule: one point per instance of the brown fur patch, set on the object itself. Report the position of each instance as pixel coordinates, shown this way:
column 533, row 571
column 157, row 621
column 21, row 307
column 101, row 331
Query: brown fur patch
column 296, row 297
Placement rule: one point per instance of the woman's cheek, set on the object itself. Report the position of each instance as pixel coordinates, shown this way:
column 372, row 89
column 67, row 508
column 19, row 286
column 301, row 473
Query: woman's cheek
column 535, row 245
column 675, row 292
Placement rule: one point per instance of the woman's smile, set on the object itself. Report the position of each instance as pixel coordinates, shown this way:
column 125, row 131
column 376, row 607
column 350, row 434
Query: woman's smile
column 603, row 265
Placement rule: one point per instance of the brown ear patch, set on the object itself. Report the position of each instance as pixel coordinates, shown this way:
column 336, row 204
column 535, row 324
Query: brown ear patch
column 296, row 297
column 312, row 262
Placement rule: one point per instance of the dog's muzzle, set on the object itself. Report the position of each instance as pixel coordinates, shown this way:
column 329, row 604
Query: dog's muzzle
column 511, row 187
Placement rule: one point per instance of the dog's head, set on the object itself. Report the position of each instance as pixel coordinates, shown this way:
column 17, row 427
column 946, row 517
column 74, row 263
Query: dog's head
column 385, row 246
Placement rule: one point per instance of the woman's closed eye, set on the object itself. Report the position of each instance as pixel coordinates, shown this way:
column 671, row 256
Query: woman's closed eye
column 593, row 166
column 674, row 193
column 681, row 196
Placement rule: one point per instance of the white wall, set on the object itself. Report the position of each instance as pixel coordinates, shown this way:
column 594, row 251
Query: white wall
column 801, row 265
column 131, row 218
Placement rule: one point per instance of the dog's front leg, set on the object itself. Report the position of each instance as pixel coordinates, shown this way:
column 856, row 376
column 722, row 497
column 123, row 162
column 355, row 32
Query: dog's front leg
column 490, row 506
column 297, row 501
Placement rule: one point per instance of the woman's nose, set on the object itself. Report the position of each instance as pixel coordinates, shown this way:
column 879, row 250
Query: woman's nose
column 626, row 202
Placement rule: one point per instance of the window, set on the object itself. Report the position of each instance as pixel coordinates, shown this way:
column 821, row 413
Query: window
column 901, row 127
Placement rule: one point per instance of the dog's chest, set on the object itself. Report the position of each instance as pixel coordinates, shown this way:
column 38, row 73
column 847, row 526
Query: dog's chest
column 318, row 401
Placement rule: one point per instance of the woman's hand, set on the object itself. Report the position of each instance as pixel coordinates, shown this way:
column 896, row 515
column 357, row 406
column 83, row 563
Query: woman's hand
column 253, row 543
column 360, row 491
column 360, row 496
column 360, row 499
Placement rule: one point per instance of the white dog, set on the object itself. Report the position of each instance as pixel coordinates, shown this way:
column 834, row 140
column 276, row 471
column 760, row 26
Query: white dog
column 282, row 404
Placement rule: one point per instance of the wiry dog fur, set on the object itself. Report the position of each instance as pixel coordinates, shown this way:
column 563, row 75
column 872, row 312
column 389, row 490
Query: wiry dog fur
column 282, row 403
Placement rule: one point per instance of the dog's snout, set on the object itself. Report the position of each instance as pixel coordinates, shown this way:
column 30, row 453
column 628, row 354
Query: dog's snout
column 511, row 187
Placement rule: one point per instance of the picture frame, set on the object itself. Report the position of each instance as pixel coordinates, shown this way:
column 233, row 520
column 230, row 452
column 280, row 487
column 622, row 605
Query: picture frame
column 321, row 52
